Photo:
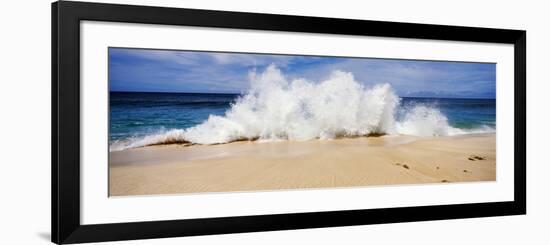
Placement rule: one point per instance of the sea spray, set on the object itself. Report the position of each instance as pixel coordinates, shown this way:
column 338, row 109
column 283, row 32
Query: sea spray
column 425, row 121
column 277, row 108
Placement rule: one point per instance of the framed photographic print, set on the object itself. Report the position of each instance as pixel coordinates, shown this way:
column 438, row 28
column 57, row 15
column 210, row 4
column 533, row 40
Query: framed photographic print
column 177, row 122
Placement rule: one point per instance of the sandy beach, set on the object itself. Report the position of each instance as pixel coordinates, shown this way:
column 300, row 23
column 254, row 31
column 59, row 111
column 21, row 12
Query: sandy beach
column 256, row 166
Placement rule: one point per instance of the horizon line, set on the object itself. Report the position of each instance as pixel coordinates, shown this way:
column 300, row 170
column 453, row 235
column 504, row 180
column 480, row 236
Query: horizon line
column 236, row 93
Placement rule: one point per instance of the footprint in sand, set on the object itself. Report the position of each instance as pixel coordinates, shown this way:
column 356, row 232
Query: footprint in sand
column 474, row 158
column 402, row 165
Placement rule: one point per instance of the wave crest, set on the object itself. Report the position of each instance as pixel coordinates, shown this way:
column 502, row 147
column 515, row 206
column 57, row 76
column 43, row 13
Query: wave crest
column 276, row 108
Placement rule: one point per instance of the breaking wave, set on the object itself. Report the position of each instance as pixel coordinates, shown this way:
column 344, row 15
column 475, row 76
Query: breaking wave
column 276, row 108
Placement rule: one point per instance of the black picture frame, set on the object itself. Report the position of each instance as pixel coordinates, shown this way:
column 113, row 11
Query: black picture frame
column 65, row 167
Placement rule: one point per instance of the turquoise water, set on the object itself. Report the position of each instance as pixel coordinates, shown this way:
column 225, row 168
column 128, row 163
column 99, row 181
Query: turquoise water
column 461, row 113
column 139, row 114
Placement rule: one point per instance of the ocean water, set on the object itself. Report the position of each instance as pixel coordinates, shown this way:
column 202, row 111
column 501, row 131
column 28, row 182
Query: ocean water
column 276, row 108
column 136, row 116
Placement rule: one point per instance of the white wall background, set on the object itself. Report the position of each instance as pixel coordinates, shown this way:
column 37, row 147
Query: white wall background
column 25, row 121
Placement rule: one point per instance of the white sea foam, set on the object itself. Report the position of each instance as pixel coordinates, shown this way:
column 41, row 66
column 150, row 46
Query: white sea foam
column 164, row 137
column 276, row 108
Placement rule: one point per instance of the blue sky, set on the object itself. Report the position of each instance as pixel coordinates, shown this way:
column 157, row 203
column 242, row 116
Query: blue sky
column 143, row 70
